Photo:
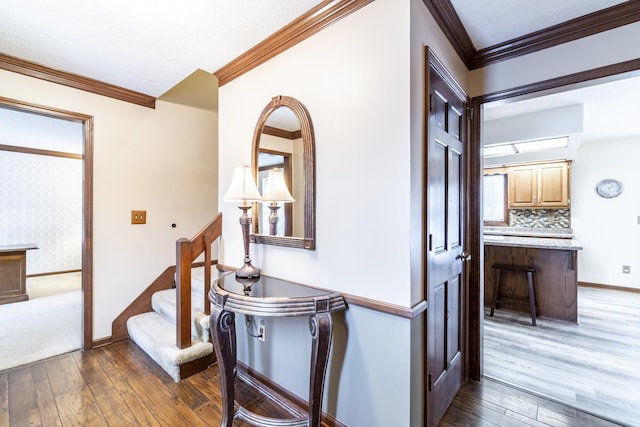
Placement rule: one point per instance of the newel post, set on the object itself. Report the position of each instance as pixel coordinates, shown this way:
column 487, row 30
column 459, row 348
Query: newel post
column 183, row 293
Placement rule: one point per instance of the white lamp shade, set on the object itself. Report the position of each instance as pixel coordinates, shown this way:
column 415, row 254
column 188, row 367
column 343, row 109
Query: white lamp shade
column 276, row 189
column 243, row 187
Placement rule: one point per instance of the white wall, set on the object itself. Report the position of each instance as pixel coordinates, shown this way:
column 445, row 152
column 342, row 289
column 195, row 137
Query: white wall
column 349, row 77
column 163, row 161
column 359, row 80
column 607, row 228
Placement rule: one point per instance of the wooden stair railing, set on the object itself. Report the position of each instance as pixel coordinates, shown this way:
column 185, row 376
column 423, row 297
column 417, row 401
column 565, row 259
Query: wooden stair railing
column 186, row 252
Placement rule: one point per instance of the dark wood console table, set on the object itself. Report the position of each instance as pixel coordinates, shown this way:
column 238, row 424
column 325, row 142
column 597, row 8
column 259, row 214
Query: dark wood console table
column 13, row 272
column 268, row 296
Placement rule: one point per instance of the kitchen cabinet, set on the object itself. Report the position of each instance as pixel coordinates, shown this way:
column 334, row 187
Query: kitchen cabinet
column 539, row 185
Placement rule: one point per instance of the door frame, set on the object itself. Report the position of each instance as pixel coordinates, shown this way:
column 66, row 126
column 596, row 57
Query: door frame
column 87, row 203
column 475, row 295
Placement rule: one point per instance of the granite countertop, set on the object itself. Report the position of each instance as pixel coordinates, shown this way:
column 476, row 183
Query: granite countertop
column 563, row 244
column 560, row 233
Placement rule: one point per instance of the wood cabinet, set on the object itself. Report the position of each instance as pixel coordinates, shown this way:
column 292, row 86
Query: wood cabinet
column 13, row 269
column 556, row 279
column 540, row 185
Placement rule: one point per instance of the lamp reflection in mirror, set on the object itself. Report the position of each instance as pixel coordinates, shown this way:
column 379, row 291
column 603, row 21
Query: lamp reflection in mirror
column 275, row 191
column 243, row 189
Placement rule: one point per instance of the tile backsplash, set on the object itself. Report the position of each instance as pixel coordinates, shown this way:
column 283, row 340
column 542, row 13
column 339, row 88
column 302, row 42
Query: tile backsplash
column 540, row 218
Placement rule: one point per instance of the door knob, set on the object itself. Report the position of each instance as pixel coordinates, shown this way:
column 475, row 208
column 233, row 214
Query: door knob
column 464, row 256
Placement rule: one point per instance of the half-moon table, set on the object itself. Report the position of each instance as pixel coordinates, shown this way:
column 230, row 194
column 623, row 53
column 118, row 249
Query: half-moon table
column 269, row 296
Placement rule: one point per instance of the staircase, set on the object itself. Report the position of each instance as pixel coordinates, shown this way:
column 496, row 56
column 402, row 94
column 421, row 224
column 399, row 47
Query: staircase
column 155, row 331
column 171, row 323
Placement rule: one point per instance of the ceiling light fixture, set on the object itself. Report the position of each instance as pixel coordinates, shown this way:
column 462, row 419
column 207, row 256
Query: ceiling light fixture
column 496, row 150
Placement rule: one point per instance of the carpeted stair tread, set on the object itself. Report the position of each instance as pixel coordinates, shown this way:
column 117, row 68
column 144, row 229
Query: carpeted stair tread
column 197, row 279
column 164, row 303
column 157, row 337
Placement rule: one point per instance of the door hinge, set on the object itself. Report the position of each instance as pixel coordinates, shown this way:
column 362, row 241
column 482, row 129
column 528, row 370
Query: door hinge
column 430, row 102
column 430, row 382
column 471, row 113
column 430, row 242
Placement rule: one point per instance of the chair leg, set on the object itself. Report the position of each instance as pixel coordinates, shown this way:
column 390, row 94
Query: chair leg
column 532, row 298
column 496, row 292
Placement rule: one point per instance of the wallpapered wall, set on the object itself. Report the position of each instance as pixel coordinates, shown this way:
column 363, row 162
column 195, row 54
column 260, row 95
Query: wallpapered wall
column 41, row 203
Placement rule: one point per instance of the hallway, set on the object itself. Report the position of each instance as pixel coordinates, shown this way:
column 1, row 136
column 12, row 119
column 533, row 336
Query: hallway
column 593, row 366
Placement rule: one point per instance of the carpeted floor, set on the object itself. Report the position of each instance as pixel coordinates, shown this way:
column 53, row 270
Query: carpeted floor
column 52, row 284
column 40, row 328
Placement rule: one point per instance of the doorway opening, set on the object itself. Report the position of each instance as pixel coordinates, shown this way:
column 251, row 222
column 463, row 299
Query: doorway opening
column 597, row 349
column 66, row 248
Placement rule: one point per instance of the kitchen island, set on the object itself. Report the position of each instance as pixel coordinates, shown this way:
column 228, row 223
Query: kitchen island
column 556, row 281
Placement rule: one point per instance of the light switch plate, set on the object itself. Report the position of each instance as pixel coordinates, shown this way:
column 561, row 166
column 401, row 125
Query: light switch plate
column 138, row 217
column 626, row 269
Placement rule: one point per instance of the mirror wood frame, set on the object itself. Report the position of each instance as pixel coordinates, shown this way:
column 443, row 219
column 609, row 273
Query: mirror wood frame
column 309, row 173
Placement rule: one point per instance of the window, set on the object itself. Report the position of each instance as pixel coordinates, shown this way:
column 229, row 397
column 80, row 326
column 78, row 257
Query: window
column 494, row 198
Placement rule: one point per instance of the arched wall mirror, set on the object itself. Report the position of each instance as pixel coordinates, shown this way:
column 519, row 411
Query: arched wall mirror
column 284, row 144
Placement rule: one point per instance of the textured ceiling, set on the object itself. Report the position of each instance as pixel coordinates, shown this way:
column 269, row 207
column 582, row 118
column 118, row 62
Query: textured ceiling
column 143, row 45
column 150, row 46
column 490, row 22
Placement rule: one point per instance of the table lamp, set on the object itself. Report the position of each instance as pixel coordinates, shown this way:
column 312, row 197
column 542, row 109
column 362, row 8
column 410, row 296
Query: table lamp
column 243, row 189
column 275, row 190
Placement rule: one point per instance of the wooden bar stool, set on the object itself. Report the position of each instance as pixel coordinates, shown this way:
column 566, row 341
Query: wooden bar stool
column 497, row 289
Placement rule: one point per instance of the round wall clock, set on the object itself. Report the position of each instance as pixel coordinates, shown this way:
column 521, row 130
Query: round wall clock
column 609, row 188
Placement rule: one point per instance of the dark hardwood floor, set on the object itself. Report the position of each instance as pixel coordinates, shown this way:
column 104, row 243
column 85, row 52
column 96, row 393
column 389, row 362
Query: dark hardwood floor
column 116, row 385
column 119, row 385
column 593, row 366
column 490, row 403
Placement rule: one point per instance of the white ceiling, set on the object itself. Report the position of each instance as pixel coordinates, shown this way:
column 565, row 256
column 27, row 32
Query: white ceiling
column 149, row 46
column 143, row 45
column 489, row 22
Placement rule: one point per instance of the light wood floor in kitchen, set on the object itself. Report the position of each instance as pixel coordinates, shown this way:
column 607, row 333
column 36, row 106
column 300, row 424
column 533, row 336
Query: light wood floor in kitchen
column 593, row 366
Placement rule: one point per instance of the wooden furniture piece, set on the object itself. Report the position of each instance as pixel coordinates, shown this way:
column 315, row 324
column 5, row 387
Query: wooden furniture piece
column 268, row 296
column 556, row 265
column 13, row 272
column 530, row 272
column 539, row 185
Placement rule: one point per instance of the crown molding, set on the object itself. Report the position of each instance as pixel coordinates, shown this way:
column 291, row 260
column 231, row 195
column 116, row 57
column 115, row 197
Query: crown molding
column 32, row 69
column 583, row 26
column 574, row 29
column 450, row 24
column 582, row 78
column 321, row 16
